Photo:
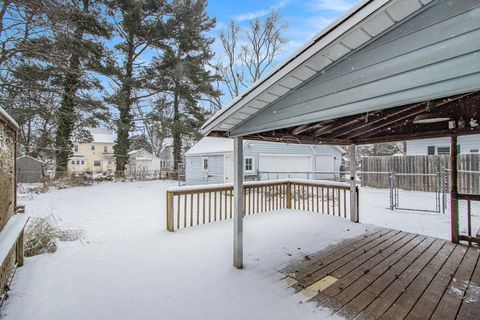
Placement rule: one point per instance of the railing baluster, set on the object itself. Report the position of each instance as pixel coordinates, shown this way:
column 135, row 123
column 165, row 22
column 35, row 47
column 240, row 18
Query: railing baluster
column 339, row 204
column 328, row 200
column 344, row 203
column 185, row 210
column 191, row 209
column 323, row 201
column 204, row 213
column 318, row 196
column 178, row 211
column 226, row 211
column 209, row 207
column 198, row 209
column 215, row 206
column 220, row 205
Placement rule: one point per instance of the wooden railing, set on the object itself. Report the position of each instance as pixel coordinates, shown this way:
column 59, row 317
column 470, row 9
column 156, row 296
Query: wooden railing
column 472, row 235
column 195, row 205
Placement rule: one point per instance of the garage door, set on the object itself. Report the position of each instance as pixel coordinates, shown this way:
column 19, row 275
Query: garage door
column 284, row 163
column 324, row 163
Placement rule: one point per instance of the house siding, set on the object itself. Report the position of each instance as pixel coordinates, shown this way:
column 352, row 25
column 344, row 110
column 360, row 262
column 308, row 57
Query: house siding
column 467, row 144
column 195, row 173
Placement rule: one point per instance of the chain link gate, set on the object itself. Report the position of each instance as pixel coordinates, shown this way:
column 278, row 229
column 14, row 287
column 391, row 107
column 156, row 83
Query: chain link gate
column 418, row 200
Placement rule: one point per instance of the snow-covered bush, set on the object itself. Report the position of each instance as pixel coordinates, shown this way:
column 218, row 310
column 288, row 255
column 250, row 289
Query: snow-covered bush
column 42, row 234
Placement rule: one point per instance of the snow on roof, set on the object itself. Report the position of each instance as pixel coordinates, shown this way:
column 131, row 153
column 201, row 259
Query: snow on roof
column 101, row 135
column 27, row 156
column 211, row 145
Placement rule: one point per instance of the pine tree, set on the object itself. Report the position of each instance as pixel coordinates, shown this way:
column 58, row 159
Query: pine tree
column 78, row 35
column 184, row 73
column 140, row 25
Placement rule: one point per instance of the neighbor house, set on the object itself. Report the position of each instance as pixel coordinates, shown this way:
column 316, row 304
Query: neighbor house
column 211, row 161
column 30, row 169
column 441, row 146
column 143, row 163
column 95, row 157
column 166, row 153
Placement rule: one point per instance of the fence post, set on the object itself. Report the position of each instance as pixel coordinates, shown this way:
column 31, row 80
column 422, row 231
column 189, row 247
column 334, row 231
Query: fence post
column 353, row 184
column 454, row 190
column 170, row 213
column 289, row 195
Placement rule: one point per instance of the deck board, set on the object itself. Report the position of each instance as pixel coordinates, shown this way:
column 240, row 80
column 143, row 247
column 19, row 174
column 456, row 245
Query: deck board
column 390, row 274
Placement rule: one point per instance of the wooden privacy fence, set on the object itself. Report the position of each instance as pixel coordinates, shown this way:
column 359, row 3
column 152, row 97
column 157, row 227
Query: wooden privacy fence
column 423, row 172
column 195, row 205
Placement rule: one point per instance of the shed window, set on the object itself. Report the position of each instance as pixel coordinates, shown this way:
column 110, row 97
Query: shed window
column 205, row 164
column 248, row 164
column 431, row 150
column 97, row 163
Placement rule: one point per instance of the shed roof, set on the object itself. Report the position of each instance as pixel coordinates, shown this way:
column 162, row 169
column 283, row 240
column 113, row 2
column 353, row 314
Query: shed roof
column 209, row 145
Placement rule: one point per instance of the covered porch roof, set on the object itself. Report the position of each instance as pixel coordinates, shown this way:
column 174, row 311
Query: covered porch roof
column 365, row 78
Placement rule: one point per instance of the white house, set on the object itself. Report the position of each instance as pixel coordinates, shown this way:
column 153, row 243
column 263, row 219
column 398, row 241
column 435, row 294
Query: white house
column 211, row 161
column 439, row 146
column 142, row 162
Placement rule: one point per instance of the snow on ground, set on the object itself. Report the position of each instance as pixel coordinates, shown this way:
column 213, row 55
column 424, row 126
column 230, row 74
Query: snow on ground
column 106, row 211
column 129, row 267
column 374, row 209
column 132, row 269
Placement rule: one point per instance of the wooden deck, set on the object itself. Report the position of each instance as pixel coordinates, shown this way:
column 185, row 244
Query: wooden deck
column 389, row 274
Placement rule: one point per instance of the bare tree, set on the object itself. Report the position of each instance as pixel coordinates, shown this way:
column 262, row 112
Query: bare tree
column 250, row 52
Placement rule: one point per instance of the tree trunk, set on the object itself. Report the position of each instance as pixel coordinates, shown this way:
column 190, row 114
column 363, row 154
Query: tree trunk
column 124, row 123
column 176, row 132
column 66, row 112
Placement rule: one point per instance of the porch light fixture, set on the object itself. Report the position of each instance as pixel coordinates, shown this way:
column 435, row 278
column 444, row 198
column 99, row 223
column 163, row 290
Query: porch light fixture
column 431, row 115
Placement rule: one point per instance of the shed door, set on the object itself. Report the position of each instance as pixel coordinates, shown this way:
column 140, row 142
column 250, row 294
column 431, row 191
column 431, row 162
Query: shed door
column 324, row 163
column 297, row 166
column 228, row 165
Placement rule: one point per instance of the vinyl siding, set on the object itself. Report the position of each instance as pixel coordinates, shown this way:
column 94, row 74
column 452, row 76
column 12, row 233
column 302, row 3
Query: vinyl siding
column 420, row 147
column 195, row 173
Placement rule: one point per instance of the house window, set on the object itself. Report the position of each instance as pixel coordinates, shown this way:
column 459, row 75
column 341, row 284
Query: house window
column 97, row 163
column 443, row 150
column 92, row 147
column 105, row 149
column 75, row 148
column 83, row 162
column 205, row 164
column 431, row 150
column 249, row 164
column 73, row 161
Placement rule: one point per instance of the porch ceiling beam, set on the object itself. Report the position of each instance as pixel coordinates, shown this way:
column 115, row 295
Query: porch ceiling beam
column 338, row 125
column 380, row 129
column 381, row 117
column 383, row 124
column 418, row 135
column 301, row 129
column 275, row 136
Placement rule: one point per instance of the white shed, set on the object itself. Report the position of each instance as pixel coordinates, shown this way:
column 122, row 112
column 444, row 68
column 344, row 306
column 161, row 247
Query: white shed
column 211, row 161
column 142, row 162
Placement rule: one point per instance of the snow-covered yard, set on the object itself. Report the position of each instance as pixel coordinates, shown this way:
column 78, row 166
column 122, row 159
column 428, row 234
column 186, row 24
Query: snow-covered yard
column 129, row 267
